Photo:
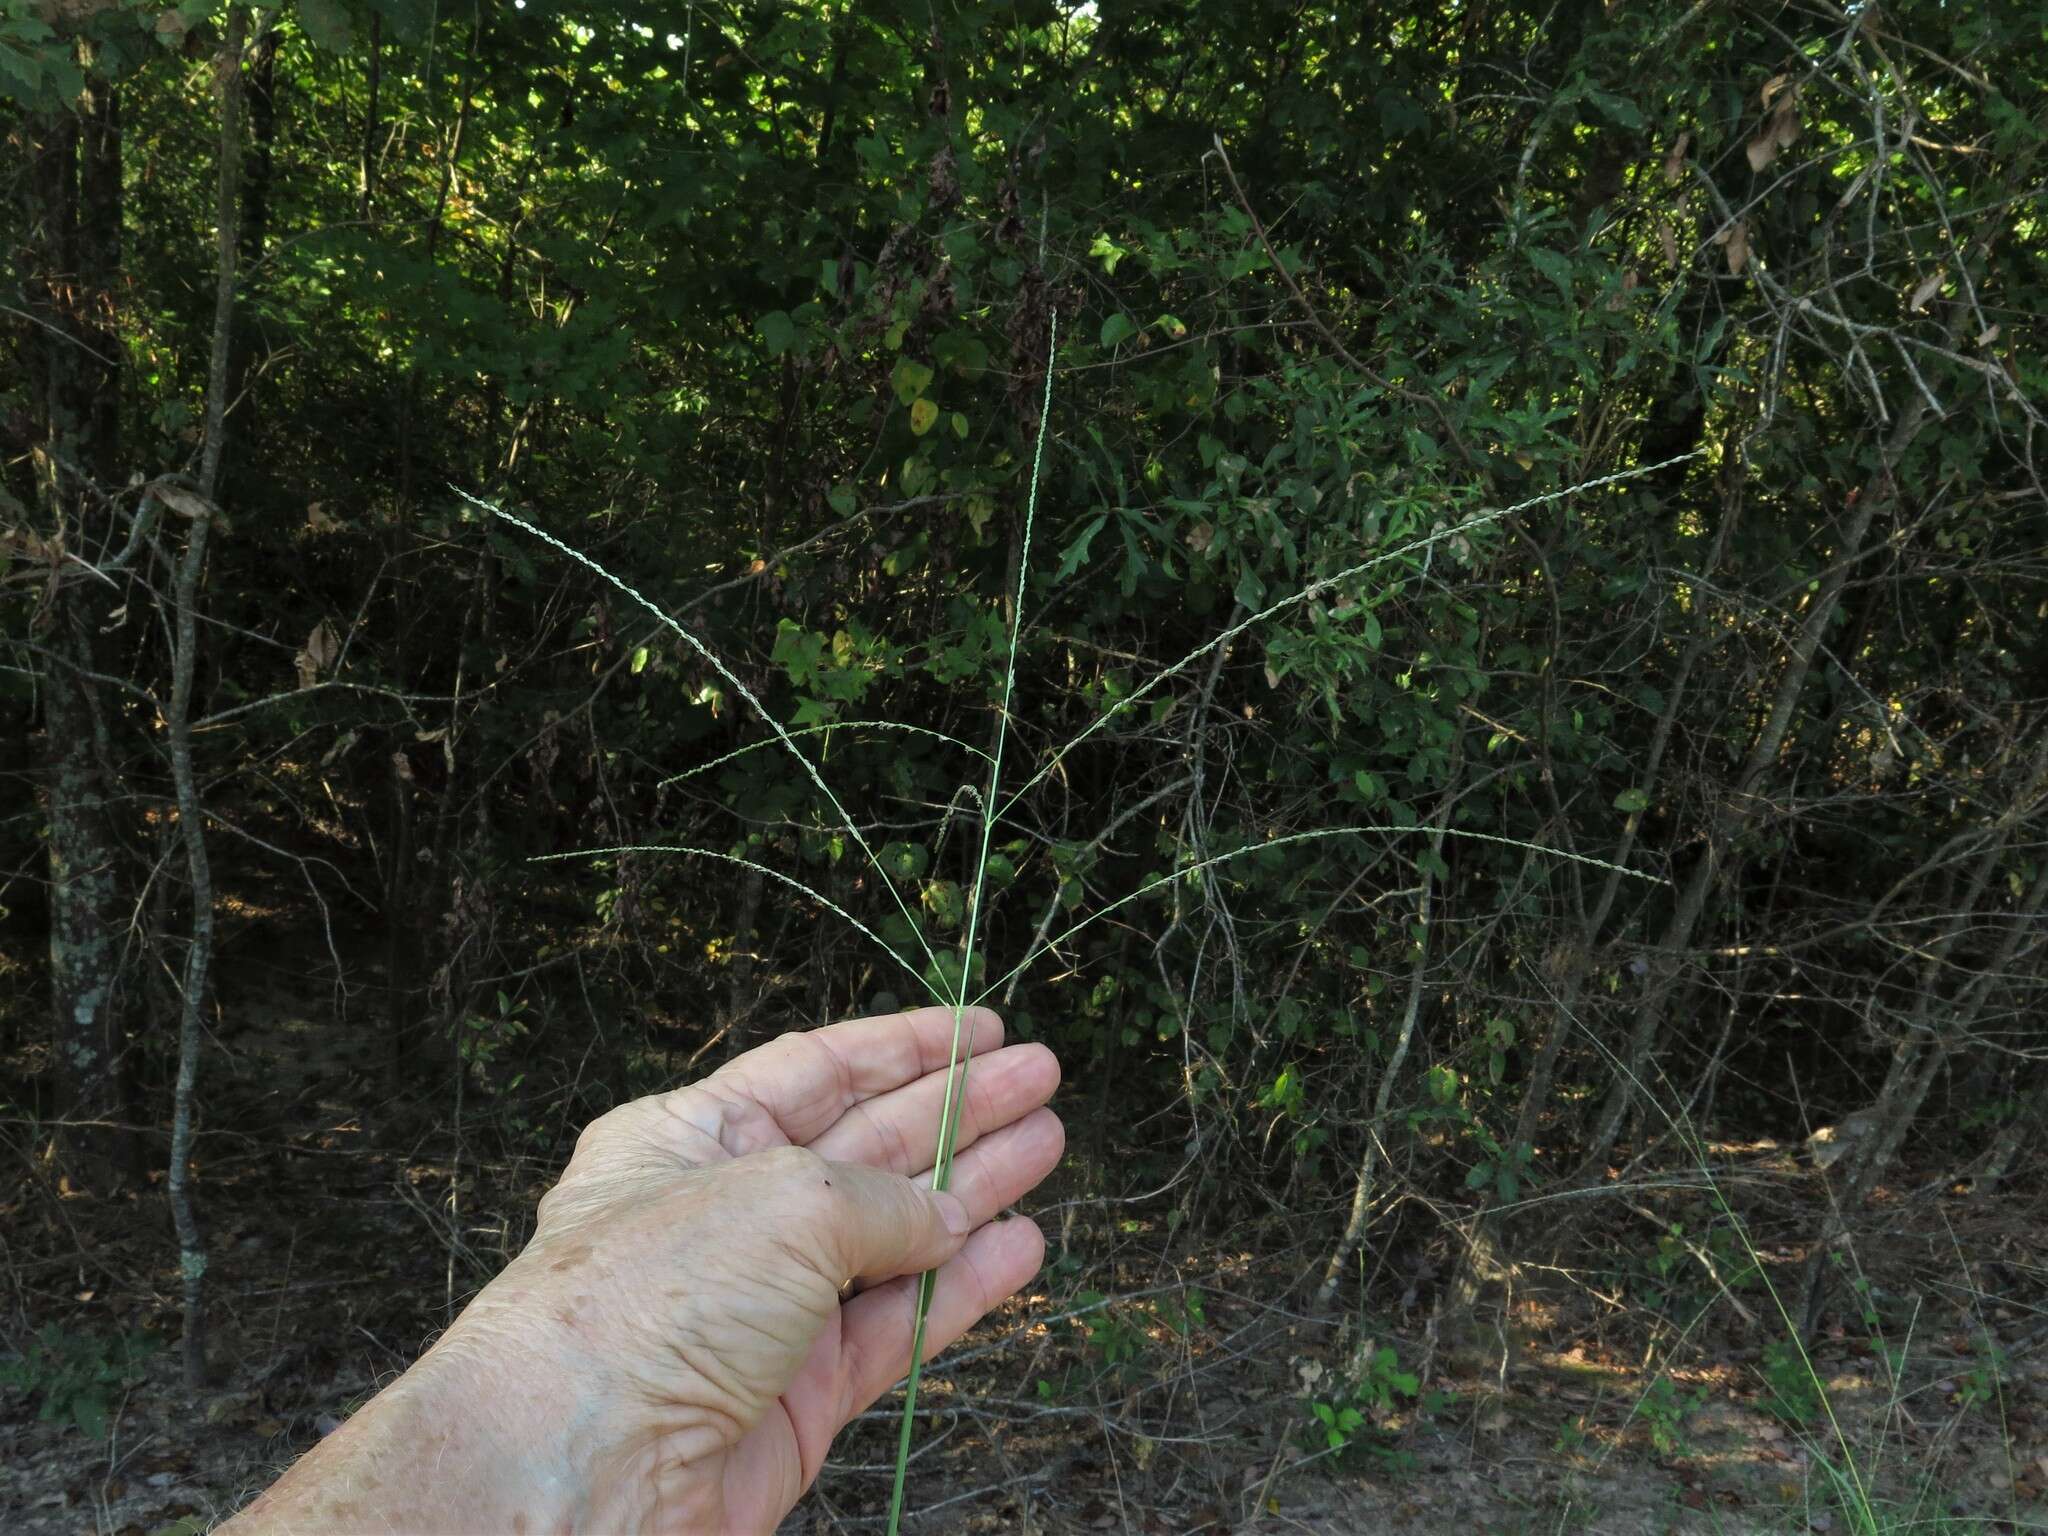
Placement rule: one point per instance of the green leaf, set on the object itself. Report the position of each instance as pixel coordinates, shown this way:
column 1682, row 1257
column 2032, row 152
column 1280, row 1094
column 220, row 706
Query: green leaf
column 945, row 902
column 904, row 861
column 1632, row 800
column 89, row 1413
column 922, row 414
column 639, row 660
column 1075, row 553
column 1616, row 109
column 1117, row 327
column 1555, row 267
column 1109, row 251
column 841, row 499
column 778, row 330
column 960, row 426
column 909, row 379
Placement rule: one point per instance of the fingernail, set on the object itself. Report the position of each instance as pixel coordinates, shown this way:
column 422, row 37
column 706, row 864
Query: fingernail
column 954, row 1214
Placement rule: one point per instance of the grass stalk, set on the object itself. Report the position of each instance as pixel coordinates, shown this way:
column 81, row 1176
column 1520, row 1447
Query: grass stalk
column 992, row 806
column 820, row 730
column 1317, row 588
column 956, row 1062
column 758, row 868
column 782, row 734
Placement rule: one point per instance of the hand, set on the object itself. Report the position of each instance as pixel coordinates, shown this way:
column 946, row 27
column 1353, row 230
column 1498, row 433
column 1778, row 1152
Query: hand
column 671, row 1352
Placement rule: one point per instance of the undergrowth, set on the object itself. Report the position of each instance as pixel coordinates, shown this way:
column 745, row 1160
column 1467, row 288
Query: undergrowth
column 958, row 979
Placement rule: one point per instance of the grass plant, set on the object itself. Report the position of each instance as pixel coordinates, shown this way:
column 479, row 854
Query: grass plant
column 1846, row 1478
column 953, row 986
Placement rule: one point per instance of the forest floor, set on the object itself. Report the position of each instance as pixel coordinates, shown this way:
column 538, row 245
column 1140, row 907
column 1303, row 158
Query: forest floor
column 1153, row 1383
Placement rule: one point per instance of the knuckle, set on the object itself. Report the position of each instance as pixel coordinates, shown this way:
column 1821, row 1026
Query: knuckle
column 593, row 1134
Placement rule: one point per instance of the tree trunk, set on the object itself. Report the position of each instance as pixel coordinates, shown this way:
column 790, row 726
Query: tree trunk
column 1366, row 1186
column 178, row 718
column 1667, row 964
column 72, row 203
column 253, row 228
column 2028, row 1117
column 1939, row 1024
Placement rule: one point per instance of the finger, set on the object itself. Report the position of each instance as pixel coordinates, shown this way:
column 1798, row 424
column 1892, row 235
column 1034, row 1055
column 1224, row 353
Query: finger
column 1006, row 1166
column 875, row 1327
column 795, row 1088
column 999, row 1172
column 899, row 1130
column 861, row 1221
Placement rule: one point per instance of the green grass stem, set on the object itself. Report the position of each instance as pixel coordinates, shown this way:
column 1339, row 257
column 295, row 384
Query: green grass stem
column 817, row 730
column 781, row 732
column 758, row 868
column 1317, row 588
column 992, row 807
column 956, row 1062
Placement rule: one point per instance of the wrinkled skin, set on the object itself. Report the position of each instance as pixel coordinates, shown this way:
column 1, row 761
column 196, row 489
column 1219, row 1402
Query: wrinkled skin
column 671, row 1352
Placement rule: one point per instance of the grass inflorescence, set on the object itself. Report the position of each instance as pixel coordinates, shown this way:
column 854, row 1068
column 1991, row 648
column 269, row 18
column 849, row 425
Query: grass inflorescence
column 952, row 986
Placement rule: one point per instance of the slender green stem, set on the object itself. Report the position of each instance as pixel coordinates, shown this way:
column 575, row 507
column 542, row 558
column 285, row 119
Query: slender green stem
column 819, row 730
column 1302, row 837
column 760, row 869
column 956, row 1061
column 1316, row 588
column 781, row 734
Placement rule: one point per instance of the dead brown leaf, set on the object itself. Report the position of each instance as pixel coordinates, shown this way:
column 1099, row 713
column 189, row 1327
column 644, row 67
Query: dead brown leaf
column 1781, row 132
column 1928, row 287
column 1738, row 246
column 1667, row 237
column 1674, row 163
column 1785, row 124
column 320, row 652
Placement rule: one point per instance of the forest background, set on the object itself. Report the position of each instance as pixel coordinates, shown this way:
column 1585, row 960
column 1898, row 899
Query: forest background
column 1660, row 826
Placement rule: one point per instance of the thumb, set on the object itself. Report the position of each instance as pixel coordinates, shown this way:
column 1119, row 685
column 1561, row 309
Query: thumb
column 877, row 1225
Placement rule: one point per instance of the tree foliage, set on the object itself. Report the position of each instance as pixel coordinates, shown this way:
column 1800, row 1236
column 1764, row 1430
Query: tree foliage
column 751, row 304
